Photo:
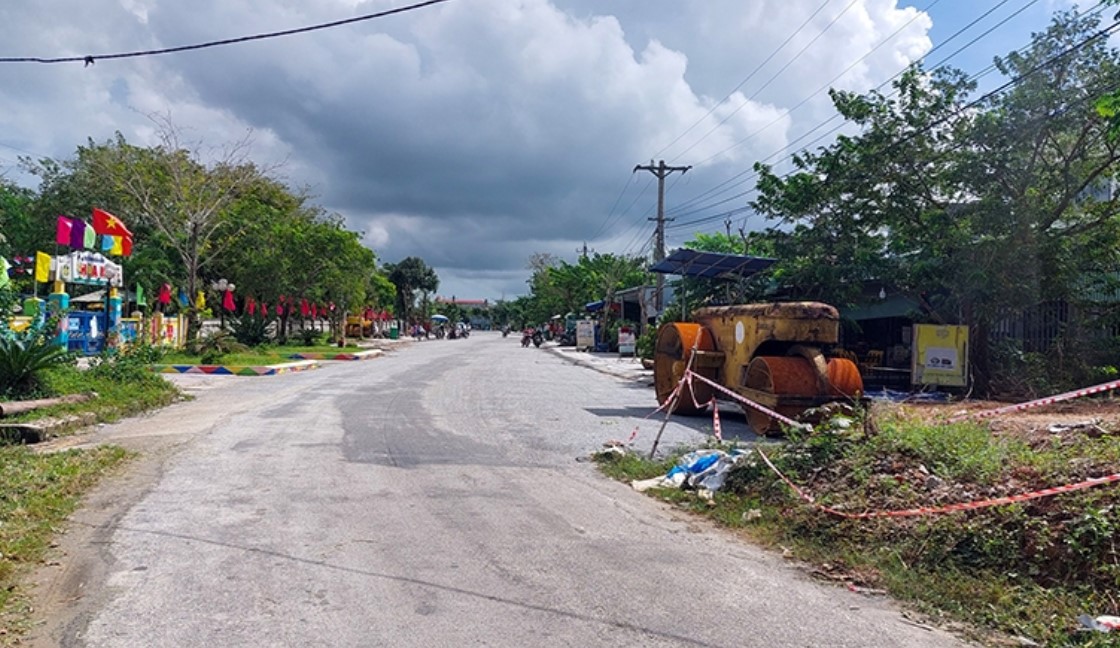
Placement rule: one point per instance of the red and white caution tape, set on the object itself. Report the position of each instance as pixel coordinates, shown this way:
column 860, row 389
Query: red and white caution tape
column 1077, row 393
column 746, row 401
column 950, row 508
column 717, row 429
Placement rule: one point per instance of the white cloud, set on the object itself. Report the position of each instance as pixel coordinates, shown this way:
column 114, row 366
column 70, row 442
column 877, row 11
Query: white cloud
column 471, row 133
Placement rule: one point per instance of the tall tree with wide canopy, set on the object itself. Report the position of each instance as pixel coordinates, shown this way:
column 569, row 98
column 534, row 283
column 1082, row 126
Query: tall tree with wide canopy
column 411, row 275
column 988, row 205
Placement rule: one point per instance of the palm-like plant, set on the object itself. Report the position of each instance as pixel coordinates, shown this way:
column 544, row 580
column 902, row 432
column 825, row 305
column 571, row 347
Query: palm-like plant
column 22, row 358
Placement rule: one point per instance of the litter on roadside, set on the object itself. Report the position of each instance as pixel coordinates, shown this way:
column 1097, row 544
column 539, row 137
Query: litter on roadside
column 1102, row 623
column 703, row 470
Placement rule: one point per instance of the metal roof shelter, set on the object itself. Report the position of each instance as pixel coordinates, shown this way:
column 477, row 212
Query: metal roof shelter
column 711, row 265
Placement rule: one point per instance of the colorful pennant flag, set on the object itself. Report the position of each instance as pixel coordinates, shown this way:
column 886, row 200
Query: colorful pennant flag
column 251, row 306
column 184, row 301
column 42, row 267
column 200, row 300
column 62, row 230
column 77, row 234
column 304, row 309
column 126, row 246
column 106, row 223
column 89, row 237
column 264, row 309
column 118, row 245
column 227, row 301
column 164, row 294
column 106, row 243
column 140, row 300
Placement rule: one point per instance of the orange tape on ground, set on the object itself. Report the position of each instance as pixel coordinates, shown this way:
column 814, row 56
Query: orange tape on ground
column 949, row 508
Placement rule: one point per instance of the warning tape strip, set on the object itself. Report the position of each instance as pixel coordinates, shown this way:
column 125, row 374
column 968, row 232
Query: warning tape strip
column 1077, row 393
column 742, row 399
column 950, row 508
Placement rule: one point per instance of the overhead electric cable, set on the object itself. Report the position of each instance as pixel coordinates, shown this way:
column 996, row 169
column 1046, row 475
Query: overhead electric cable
column 90, row 59
column 772, row 78
column 1010, row 83
column 732, row 180
column 750, row 76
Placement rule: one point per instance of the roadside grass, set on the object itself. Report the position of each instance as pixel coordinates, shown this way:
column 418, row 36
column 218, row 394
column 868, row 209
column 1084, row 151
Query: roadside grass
column 38, row 492
column 123, row 389
column 1024, row 570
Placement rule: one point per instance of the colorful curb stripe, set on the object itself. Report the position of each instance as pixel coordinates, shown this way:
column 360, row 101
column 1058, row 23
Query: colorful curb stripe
column 356, row 355
column 236, row 370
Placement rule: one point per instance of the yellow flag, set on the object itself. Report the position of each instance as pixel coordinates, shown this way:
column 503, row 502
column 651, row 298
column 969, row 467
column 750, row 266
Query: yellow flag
column 200, row 300
column 42, row 266
column 118, row 245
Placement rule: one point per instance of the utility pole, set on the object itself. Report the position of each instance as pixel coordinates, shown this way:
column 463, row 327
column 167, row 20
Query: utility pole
column 661, row 171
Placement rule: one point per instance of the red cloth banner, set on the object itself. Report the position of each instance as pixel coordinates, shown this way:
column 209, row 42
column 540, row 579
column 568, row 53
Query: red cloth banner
column 227, row 301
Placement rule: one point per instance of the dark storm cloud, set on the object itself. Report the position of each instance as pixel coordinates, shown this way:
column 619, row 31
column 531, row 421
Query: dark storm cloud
column 472, row 134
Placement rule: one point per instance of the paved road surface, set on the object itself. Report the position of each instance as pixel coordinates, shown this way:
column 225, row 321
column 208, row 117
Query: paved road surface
column 430, row 497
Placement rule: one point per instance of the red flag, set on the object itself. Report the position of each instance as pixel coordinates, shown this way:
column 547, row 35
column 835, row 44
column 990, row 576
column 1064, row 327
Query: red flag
column 164, row 294
column 264, row 309
column 280, row 309
column 62, row 230
column 106, row 223
column 126, row 246
column 314, row 311
column 304, row 309
column 227, row 301
column 252, row 306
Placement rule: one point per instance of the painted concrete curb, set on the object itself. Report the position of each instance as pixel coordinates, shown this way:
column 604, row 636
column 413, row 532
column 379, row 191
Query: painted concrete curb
column 348, row 355
column 237, row 370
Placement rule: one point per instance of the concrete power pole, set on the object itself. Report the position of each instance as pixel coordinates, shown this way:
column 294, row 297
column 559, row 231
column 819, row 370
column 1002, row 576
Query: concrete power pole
column 661, row 171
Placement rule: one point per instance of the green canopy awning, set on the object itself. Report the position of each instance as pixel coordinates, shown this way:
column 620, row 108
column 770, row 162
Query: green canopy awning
column 896, row 306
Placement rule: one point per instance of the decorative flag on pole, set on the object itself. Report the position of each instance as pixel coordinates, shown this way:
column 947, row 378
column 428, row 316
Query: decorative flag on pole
column 227, row 301
column 89, row 238
column 264, row 309
column 62, row 230
column 118, row 245
column 42, row 267
column 304, row 309
column 140, row 300
column 126, row 246
column 108, row 224
column 251, row 306
column 184, row 301
column 106, row 243
column 77, row 233
column 200, row 300
column 164, row 294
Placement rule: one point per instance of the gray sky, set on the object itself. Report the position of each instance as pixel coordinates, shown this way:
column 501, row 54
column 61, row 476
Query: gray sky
column 477, row 132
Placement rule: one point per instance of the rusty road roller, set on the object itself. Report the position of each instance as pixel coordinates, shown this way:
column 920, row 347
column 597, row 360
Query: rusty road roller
column 773, row 354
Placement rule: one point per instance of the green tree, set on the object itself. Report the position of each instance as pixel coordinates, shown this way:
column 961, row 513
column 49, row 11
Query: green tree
column 411, row 275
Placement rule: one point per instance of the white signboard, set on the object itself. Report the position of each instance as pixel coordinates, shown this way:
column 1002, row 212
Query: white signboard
column 585, row 334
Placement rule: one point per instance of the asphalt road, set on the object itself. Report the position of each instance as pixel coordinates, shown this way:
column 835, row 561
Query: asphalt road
column 430, row 497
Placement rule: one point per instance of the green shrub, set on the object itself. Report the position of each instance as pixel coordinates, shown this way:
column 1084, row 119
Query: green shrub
column 251, row 330
column 22, row 357
column 215, row 346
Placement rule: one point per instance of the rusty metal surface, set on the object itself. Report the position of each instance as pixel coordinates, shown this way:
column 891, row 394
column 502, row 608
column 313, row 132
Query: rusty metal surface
column 781, row 310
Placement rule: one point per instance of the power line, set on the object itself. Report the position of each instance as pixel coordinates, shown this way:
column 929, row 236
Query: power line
column 972, row 104
column 91, row 59
column 750, row 76
column 732, row 180
column 773, row 77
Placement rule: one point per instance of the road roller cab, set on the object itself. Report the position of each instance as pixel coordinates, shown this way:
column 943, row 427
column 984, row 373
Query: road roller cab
column 773, row 354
